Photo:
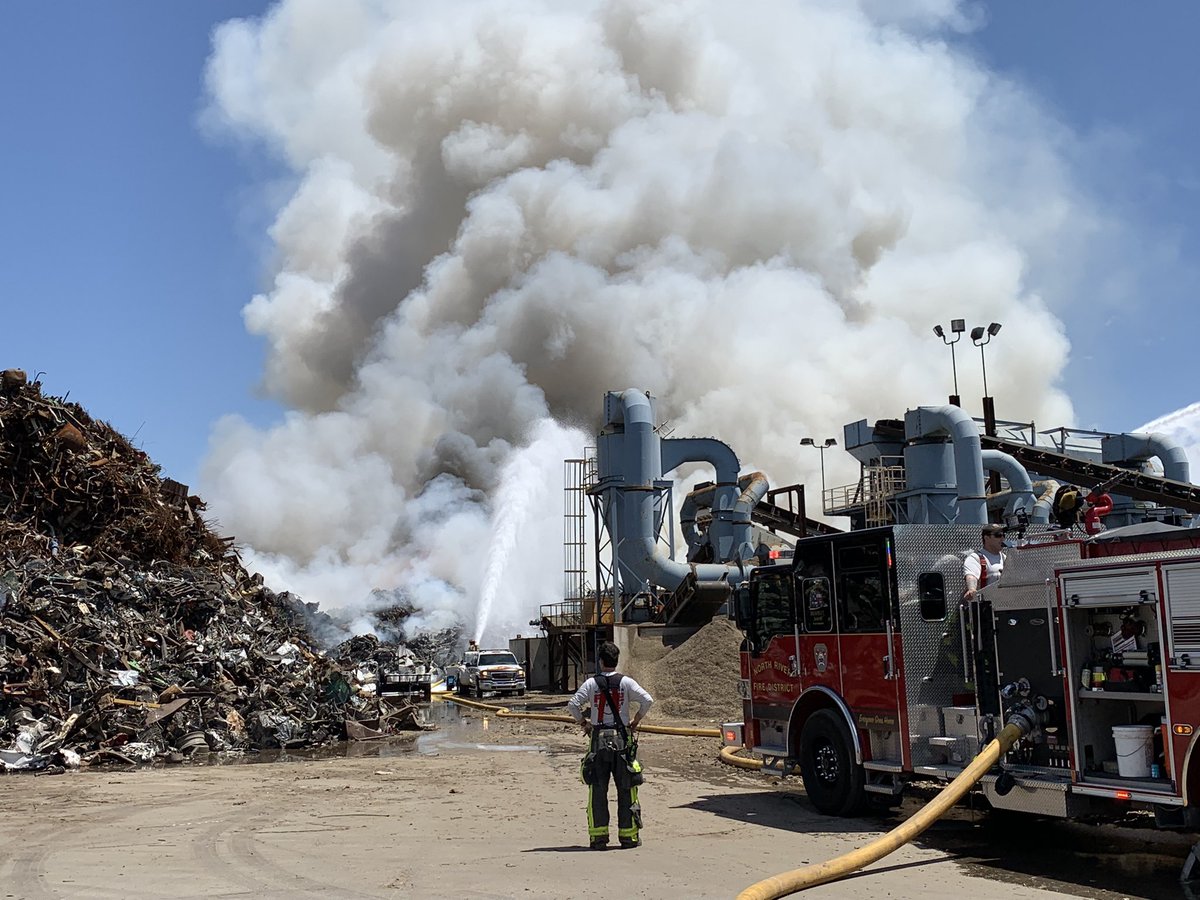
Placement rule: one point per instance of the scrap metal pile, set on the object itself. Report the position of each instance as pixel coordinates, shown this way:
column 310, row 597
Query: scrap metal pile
column 129, row 630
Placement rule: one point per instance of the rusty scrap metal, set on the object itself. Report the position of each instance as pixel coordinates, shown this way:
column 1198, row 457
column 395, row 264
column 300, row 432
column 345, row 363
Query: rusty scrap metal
column 130, row 632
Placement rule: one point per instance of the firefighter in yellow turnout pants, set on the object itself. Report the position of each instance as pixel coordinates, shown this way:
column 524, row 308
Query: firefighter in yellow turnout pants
column 612, row 751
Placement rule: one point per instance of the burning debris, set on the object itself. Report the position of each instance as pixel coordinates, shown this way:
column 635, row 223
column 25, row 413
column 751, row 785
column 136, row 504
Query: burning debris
column 129, row 630
column 390, row 619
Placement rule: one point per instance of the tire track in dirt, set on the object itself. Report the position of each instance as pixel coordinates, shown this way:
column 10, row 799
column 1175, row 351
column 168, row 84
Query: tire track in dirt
column 28, row 875
column 232, row 849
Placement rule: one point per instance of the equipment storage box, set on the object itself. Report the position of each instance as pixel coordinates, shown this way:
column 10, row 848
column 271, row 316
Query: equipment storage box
column 960, row 721
column 962, row 724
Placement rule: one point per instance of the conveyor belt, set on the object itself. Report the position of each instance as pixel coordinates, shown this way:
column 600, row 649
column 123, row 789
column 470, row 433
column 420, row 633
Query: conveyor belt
column 1085, row 473
column 789, row 519
column 771, row 516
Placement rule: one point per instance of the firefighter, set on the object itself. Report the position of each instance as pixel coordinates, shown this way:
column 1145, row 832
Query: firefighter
column 982, row 567
column 613, row 748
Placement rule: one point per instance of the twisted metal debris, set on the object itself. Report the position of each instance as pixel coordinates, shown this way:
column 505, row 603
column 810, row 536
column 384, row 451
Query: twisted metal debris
column 129, row 630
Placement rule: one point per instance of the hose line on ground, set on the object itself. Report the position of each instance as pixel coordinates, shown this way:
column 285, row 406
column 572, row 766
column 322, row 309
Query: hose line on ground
column 730, row 756
column 505, row 713
column 810, row 876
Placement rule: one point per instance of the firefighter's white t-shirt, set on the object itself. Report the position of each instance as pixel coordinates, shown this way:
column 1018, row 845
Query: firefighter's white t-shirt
column 589, row 694
column 972, row 566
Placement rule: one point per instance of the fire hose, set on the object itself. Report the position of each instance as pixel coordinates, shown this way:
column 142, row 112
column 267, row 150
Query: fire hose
column 1021, row 721
column 785, row 883
column 504, row 712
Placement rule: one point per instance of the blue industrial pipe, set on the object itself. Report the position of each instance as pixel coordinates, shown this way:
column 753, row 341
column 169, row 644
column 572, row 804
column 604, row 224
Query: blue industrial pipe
column 639, row 548
column 1134, row 447
column 726, row 533
column 1019, row 483
column 753, row 486
column 952, row 422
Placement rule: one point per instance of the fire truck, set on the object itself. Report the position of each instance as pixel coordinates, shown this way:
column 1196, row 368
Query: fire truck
column 863, row 667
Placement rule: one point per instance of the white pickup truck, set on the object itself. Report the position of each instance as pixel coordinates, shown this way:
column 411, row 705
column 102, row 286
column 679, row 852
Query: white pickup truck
column 481, row 671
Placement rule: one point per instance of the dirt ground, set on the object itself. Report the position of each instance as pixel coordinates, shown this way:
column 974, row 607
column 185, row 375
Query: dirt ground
column 470, row 812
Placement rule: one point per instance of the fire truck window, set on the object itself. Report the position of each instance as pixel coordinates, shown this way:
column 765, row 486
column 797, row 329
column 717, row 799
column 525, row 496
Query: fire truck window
column 772, row 609
column 866, row 607
column 818, row 606
column 863, row 588
column 932, row 590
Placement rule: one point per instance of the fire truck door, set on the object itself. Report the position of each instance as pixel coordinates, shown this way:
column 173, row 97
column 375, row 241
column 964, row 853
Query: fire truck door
column 869, row 630
column 772, row 665
column 1180, row 666
column 818, row 657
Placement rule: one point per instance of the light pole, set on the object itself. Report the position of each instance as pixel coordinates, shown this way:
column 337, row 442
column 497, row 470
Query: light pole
column 957, row 326
column 981, row 337
column 829, row 442
column 986, row 334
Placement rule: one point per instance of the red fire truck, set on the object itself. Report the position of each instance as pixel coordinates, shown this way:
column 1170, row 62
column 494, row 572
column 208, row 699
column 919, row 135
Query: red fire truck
column 862, row 667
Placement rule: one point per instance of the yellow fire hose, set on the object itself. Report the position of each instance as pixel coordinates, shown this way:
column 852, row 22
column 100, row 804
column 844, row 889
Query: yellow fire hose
column 504, row 712
column 730, row 757
column 810, row 876
column 797, row 880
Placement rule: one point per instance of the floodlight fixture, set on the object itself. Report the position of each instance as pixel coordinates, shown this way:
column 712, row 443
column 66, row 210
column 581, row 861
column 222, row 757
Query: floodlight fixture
column 980, row 341
column 957, row 326
column 828, row 442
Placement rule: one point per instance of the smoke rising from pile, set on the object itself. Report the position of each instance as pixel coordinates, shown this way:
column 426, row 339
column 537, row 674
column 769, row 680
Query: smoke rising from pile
column 757, row 211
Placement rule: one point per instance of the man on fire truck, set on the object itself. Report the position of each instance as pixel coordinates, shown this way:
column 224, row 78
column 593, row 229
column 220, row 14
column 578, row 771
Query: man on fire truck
column 983, row 567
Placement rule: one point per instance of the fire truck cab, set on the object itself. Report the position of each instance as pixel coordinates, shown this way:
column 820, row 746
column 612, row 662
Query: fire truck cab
column 863, row 669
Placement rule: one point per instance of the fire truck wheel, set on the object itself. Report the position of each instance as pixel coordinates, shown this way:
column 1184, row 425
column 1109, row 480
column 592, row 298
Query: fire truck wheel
column 832, row 779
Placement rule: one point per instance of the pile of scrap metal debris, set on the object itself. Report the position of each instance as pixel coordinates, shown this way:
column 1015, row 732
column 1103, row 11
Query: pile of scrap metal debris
column 129, row 630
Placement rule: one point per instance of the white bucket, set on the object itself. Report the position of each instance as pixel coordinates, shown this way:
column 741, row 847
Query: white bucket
column 1135, row 750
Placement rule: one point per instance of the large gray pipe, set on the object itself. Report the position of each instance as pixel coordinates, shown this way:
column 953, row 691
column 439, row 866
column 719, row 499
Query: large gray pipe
column 699, row 499
column 1019, row 483
column 640, row 549
column 754, row 487
column 1045, row 501
column 932, row 421
column 726, row 533
column 1118, row 448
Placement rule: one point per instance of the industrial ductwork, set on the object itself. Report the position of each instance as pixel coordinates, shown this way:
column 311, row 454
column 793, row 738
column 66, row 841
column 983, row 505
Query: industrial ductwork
column 632, row 460
column 698, row 505
column 1136, row 448
column 1020, row 486
column 724, row 533
column 1045, row 501
column 943, row 486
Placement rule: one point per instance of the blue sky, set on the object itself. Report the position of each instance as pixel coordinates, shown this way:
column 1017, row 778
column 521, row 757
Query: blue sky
column 1126, row 78
column 131, row 240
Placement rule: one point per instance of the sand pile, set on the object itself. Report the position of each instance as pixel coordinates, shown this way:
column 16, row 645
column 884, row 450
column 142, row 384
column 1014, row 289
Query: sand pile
column 699, row 678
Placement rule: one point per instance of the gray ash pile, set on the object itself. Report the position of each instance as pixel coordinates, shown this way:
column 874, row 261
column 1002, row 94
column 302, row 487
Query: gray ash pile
column 698, row 680
column 129, row 630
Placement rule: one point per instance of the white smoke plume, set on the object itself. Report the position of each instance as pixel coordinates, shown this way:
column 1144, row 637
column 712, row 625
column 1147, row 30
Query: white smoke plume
column 504, row 208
